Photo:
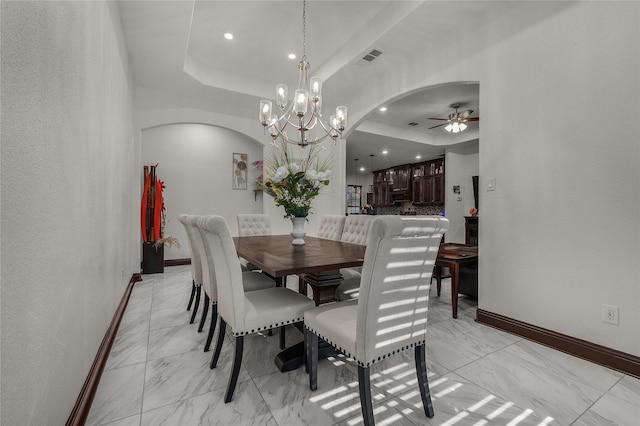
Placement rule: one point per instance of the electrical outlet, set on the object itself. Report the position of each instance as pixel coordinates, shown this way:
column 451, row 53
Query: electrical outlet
column 609, row 314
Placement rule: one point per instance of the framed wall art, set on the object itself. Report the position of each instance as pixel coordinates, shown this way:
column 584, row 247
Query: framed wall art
column 239, row 178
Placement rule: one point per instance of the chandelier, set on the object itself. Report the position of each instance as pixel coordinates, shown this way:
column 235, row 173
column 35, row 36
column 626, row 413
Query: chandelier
column 302, row 116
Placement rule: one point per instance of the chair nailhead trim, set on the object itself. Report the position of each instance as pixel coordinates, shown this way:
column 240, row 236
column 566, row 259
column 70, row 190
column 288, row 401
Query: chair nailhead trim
column 284, row 322
column 371, row 362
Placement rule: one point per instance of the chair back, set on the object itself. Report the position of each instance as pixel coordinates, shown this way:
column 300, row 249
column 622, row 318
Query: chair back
column 221, row 254
column 208, row 273
column 331, row 226
column 254, row 224
column 394, row 289
column 356, row 228
column 196, row 265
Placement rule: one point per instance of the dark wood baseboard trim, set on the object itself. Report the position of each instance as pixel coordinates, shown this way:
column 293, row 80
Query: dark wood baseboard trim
column 80, row 411
column 177, row 262
column 607, row 357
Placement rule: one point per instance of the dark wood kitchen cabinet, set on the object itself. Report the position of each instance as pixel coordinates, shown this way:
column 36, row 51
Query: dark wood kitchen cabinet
column 400, row 177
column 381, row 188
column 420, row 183
column 428, row 183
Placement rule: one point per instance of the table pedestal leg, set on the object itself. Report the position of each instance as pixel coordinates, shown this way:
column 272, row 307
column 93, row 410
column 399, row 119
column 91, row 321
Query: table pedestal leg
column 324, row 285
column 302, row 286
column 293, row 357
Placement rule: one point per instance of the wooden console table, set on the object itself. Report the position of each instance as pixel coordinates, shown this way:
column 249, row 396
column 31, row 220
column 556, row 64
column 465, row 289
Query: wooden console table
column 471, row 230
column 453, row 256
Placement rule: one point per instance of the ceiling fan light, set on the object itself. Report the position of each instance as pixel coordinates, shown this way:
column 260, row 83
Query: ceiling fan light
column 449, row 127
column 456, row 127
column 462, row 126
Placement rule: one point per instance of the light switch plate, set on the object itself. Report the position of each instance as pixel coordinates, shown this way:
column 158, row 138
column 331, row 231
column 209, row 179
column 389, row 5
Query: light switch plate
column 491, row 183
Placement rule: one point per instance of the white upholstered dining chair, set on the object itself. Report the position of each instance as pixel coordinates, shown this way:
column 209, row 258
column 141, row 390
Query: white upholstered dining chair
column 245, row 312
column 252, row 281
column 196, row 267
column 250, row 225
column 253, row 224
column 356, row 230
column 331, row 226
column 390, row 315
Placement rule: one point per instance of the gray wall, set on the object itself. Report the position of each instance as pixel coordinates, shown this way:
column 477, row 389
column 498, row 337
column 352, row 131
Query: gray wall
column 70, row 199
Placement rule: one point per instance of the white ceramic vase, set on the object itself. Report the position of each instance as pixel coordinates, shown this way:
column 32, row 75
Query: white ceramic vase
column 298, row 232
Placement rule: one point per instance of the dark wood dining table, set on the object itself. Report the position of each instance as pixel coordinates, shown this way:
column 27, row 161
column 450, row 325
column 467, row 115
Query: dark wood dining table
column 453, row 256
column 318, row 262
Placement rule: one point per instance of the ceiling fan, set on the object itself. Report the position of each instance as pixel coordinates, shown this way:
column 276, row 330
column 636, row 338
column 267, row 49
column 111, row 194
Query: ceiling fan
column 456, row 121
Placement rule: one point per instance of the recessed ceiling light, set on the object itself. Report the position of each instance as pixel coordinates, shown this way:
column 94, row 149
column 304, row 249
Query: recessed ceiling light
column 292, row 55
column 362, row 169
column 418, row 157
column 383, row 109
column 228, row 36
column 385, row 151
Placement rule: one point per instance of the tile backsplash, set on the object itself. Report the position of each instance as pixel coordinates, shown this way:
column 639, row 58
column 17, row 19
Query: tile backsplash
column 407, row 208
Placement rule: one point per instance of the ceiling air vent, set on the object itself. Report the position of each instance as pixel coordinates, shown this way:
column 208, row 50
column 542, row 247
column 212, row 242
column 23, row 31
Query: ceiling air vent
column 370, row 57
column 413, row 123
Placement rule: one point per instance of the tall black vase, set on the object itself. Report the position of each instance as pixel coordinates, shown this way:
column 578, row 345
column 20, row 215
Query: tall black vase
column 152, row 258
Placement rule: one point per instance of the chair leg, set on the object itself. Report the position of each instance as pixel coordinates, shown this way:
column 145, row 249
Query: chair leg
column 423, row 382
column 193, row 293
column 312, row 359
column 195, row 308
column 205, row 311
column 216, row 354
column 282, row 337
column 237, row 361
column 212, row 327
column 305, row 356
column 366, row 404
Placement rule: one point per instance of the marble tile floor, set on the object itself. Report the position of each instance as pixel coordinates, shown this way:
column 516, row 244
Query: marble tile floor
column 158, row 374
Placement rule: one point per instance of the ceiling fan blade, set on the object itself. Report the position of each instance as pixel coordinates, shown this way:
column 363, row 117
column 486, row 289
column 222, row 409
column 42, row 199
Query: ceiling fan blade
column 439, row 125
column 473, row 119
column 466, row 113
column 443, row 119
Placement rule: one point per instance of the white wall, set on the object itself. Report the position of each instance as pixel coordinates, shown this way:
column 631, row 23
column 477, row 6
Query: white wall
column 460, row 168
column 195, row 162
column 559, row 236
column 69, row 199
column 155, row 108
